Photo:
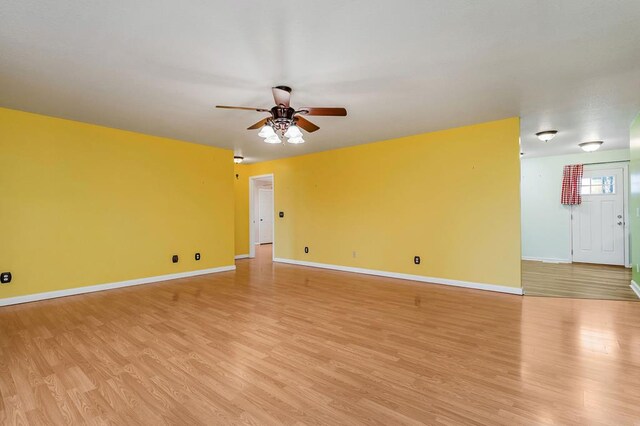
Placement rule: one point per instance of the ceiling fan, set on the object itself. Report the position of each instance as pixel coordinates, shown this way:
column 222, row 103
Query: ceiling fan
column 285, row 119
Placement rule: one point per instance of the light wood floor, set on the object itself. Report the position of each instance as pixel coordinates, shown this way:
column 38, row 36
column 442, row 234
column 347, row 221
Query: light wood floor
column 577, row 280
column 283, row 344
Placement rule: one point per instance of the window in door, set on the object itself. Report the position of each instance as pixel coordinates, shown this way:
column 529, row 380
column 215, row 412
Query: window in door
column 598, row 185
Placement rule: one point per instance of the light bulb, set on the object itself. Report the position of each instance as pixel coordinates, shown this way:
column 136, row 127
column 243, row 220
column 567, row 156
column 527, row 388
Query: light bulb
column 296, row 140
column 273, row 139
column 266, row 131
column 293, row 132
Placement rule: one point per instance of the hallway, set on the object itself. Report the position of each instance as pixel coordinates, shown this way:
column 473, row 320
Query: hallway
column 577, row 280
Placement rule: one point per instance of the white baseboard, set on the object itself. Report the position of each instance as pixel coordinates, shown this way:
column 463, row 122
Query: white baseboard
column 432, row 280
column 241, row 256
column 636, row 288
column 546, row 259
column 109, row 286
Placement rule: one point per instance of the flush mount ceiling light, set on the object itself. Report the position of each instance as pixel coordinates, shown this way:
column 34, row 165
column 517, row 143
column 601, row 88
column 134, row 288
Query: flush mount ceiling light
column 238, row 159
column 590, row 146
column 546, row 135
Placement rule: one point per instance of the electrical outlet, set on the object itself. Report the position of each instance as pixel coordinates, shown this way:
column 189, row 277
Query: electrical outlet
column 174, row 258
column 5, row 277
column 416, row 260
column 306, row 249
column 197, row 256
column 354, row 254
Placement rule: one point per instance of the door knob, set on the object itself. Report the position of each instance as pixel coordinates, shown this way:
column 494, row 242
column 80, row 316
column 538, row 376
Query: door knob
column 619, row 216
column 619, row 223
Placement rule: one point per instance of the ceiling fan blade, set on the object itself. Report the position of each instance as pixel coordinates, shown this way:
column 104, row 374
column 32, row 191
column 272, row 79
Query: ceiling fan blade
column 338, row 112
column 244, row 108
column 306, row 124
column 282, row 95
column 258, row 124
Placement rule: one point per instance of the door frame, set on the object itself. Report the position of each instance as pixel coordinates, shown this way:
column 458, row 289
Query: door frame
column 624, row 165
column 253, row 201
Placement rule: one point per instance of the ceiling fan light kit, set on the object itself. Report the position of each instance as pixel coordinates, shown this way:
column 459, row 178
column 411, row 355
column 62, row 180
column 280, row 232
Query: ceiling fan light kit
column 293, row 132
column 266, row 131
column 285, row 120
column 296, row 140
column 273, row 139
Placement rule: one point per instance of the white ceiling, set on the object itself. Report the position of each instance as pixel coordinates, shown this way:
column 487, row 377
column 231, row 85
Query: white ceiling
column 399, row 67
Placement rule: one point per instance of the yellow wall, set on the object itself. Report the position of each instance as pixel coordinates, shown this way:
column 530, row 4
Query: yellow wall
column 83, row 205
column 241, row 190
column 451, row 197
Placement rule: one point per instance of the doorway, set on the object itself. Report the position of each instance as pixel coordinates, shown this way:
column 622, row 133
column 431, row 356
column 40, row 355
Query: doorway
column 261, row 209
column 578, row 251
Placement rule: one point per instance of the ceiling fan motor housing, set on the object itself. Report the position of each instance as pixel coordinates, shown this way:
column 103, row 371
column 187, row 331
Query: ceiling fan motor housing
column 282, row 117
column 285, row 88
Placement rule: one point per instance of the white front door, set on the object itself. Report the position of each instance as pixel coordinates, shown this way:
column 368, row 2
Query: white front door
column 265, row 215
column 598, row 223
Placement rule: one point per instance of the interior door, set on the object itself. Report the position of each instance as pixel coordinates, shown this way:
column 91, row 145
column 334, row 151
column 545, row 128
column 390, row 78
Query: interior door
column 265, row 215
column 598, row 223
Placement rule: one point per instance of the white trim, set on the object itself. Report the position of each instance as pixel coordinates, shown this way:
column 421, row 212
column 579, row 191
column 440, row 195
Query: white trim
column 109, row 286
column 636, row 288
column 241, row 256
column 546, row 259
column 627, row 217
column 432, row 280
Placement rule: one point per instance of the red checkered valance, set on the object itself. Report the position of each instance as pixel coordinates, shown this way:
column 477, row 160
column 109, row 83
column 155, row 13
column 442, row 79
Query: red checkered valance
column 571, row 179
